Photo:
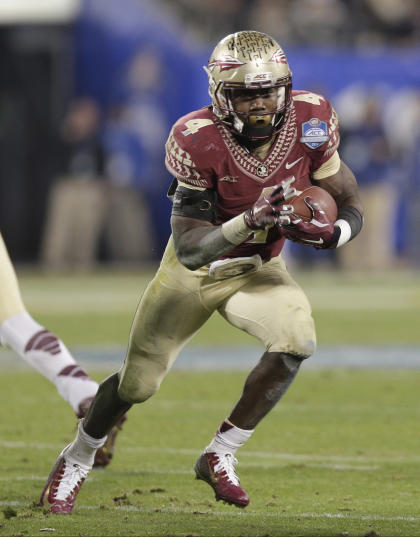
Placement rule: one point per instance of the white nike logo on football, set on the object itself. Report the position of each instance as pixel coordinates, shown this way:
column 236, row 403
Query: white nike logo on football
column 291, row 164
column 319, row 241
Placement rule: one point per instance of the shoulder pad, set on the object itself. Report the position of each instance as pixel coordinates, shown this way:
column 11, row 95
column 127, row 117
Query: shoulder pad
column 194, row 128
column 308, row 104
column 191, row 146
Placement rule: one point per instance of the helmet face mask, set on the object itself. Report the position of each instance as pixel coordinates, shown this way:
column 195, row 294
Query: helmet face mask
column 244, row 63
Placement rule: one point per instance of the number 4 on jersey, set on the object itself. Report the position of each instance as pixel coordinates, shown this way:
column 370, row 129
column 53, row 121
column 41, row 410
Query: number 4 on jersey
column 194, row 125
column 311, row 98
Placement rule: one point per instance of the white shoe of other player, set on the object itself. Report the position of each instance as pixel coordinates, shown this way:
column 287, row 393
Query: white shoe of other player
column 63, row 484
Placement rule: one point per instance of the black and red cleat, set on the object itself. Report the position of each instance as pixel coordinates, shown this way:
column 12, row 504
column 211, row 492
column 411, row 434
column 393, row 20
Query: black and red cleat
column 218, row 470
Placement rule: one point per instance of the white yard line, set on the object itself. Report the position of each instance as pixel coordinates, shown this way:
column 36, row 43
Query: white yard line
column 29, row 445
column 247, row 512
column 338, row 462
column 293, row 457
column 23, row 478
column 235, row 513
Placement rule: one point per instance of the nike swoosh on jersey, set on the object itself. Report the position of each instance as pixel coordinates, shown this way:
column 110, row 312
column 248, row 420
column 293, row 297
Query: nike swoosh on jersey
column 319, row 241
column 291, row 164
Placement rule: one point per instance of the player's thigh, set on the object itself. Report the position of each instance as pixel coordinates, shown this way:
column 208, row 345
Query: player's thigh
column 10, row 298
column 167, row 317
column 273, row 308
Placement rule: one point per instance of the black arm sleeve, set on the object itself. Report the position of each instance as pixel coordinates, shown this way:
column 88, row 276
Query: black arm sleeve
column 199, row 204
column 353, row 217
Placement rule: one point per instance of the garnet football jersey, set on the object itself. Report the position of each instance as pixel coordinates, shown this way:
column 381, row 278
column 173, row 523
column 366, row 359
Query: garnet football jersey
column 202, row 152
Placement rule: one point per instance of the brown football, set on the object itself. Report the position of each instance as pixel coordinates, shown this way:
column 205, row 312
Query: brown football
column 318, row 194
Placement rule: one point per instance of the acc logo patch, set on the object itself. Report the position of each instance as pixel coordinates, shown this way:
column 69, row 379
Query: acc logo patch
column 314, row 133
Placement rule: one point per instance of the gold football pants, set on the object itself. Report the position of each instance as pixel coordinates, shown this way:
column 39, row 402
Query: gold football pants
column 267, row 304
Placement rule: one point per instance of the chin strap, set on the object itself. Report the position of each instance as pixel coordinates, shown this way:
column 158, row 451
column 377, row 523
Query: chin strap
column 254, row 132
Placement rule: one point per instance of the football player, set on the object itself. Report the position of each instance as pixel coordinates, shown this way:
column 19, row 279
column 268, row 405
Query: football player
column 235, row 163
column 45, row 352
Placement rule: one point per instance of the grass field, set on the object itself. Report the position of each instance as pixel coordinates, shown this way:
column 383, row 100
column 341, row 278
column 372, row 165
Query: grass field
column 98, row 309
column 339, row 456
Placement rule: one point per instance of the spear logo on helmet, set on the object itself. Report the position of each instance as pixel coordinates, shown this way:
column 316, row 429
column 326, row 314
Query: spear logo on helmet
column 278, row 57
column 225, row 63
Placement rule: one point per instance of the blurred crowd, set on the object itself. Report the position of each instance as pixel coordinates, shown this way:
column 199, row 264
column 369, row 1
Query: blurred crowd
column 110, row 167
column 138, row 68
column 113, row 177
column 306, row 22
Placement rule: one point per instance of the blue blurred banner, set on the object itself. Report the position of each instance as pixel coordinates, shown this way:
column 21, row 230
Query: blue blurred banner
column 134, row 58
column 108, row 35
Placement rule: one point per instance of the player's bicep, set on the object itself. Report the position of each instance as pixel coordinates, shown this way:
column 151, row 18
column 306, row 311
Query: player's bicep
column 343, row 187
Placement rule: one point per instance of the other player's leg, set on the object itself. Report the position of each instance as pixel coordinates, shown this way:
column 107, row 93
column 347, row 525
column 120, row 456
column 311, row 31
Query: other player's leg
column 42, row 349
column 39, row 347
column 274, row 309
column 46, row 353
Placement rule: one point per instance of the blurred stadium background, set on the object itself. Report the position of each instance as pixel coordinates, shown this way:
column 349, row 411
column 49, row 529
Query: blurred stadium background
column 88, row 92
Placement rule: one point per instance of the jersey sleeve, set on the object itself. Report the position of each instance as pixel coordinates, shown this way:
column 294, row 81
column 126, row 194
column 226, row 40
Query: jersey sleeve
column 184, row 159
column 324, row 153
column 333, row 134
column 319, row 136
column 328, row 168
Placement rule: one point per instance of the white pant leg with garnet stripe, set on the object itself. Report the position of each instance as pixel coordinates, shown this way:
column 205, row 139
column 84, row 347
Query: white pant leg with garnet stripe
column 39, row 347
column 46, row 353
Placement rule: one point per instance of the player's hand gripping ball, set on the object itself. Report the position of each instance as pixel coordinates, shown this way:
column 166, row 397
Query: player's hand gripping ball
column 323, row 198
column 312, row 220
column 270, row 209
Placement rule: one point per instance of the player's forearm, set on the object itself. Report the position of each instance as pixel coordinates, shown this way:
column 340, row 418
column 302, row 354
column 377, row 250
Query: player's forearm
column 350, row 199
column 199, row 245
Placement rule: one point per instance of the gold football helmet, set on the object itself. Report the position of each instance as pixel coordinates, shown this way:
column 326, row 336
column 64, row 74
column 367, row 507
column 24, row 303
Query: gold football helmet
column 246, row 61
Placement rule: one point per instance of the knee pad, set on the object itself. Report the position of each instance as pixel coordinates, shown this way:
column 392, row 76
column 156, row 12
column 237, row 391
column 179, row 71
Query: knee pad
column 295, row 338
column 294, row 335
column 140, row 377
column 135, row 390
